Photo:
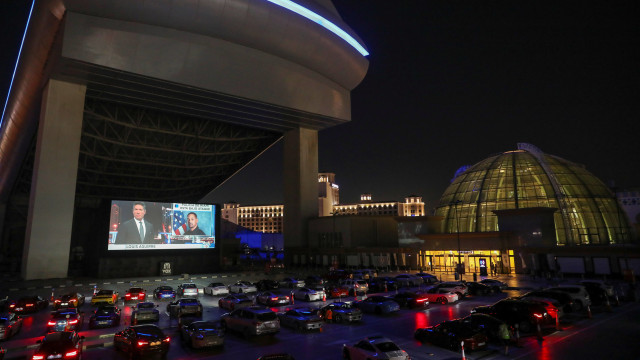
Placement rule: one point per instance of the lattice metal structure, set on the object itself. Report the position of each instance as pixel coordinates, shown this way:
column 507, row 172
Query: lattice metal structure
column 129, row 152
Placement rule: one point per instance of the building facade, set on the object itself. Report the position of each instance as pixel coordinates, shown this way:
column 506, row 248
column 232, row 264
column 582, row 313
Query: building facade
column 269, row 218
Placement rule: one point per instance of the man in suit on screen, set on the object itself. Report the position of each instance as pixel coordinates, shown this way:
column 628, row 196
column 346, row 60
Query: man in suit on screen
column 137, row 230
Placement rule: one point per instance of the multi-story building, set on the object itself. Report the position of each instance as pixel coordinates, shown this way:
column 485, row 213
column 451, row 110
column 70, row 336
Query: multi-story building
column 269, row 218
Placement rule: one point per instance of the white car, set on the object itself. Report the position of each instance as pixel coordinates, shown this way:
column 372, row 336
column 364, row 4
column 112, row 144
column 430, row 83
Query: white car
column 216, row 288
column 374, row 347
column 578, row 293
column 441, row 296
column 308, row 294
column 457, row 287
column 242, row 287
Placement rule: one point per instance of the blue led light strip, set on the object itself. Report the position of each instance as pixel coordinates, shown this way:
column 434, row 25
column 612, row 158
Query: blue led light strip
column 17, row 61
column 290, row 5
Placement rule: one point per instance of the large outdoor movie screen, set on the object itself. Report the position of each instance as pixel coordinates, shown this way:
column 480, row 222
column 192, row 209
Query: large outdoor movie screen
column 140, row 225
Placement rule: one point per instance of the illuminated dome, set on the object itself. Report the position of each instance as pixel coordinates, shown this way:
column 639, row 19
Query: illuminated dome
column 588, row 212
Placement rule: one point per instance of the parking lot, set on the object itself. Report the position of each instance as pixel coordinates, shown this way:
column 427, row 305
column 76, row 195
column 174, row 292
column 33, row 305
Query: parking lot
column 328, row 342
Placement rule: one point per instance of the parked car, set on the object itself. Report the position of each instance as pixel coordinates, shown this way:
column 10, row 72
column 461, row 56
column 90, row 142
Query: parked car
column 342, row 312
column 428, row 279
column 187, row 289
column 164, row 292
column 69, row 300
column 301, row 319
column 355, row 286
column 250, row 321
column 451, row 333
column 69, row 319
column 10, row 324
column 608, row 288
column 216, row 288
column 457, row 287
column 382, row 283
column 374, row 347
column 105, row 296
column 378, row 305
column 496, row 285
column 412, row 299
column 145, row 311
column 292, row 282
column 517, row 312
column 565, row 300
column 242, row 287
column 441, row 296
column 308, row 294
column 65, row 345
column 186, row 306
column 489, row 324
column 553, row 307
column 202, row 334
column 105, row 316
column 234, row 301
column 476, row 288
column 142, row 340
column 334, row 291
column 65, row 320
column 135, row 294
column 579, row 294
column 273, row 298
column 408, row 280
column 314, row 280
column 28, row 304
column 267, row 284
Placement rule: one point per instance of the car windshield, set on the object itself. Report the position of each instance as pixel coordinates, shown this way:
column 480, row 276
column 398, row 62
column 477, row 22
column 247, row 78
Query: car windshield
column 146, row 305
column 188, row 301
column 189, row 286
column 241, row 297
column 216, row 284
column 135, row 290
column 105, row 311
column 64, row 314
column 387, row 346
column 267, row 316
column 161, row 288
column 104, row 293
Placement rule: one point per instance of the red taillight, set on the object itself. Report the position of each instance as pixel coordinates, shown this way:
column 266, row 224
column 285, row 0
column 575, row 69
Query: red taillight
column 12, row 305
column 37, row 357
column 421, row 300
column 73, row 322
column 70, row 354
column 51, row 323
column 57, row 301
column 537, row 315
column 274, row 299
column 167, row 339
column 257, row 323
column 128, row 296
column 29, row 304
column 143, row 343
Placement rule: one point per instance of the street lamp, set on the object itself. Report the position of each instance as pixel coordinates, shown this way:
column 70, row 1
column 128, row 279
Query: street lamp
column 460, row 268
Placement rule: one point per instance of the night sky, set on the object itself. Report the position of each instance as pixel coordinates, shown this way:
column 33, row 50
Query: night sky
column 453, row 82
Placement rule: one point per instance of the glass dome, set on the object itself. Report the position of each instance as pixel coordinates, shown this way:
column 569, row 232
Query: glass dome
column 588, row 211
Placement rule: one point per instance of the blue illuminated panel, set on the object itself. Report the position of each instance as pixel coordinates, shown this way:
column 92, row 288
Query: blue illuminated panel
column 290, row 5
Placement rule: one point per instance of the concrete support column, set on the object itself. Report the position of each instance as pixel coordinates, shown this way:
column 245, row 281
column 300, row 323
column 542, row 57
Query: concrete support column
column 53, row 186
column 300, row 185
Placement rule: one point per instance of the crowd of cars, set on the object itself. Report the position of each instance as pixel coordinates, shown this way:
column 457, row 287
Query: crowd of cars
column 252, row 313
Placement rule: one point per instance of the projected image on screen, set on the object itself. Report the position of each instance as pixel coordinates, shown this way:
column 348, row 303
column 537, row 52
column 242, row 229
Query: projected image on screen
column 139, row 225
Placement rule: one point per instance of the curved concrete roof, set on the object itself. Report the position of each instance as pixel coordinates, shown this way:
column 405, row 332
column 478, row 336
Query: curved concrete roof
column 244, row 62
